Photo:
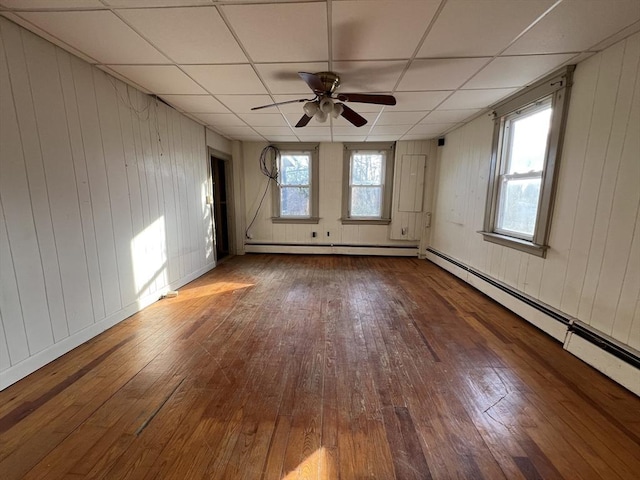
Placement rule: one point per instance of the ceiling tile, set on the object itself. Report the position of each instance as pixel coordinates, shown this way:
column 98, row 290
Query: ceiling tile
column 386, row 29
column 430, row 130
column 349, row 138
column 414, row 137
column 369, row 76
column 505, row 72
column 369, row 116
column 400, row 118
column 220, row 119
column 383, row 138
column 267, row 131
column 440, row 74
column 390, row 130
column 290, row 107
column 449, row 116
column 286, row 32
column 235, row 131
column 264, row 119
column 126, row 80
column 156, row 3
column 466, row 99
column 311, row 131
column 244, row 103
column 28, row 4
column 282, row 138
column 196, row 103
column 464, row 27
column 226, row 78
column 350, row 130
column 99, row 34
column 314, row 138
column 159, row 79
column 283, row 78
column 576, row 25
column 410, row 101
column 187, row 35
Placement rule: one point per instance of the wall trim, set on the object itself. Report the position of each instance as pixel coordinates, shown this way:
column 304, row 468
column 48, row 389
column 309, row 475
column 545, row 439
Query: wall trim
column 29, row 365
column 619, row 362
column 336, row 249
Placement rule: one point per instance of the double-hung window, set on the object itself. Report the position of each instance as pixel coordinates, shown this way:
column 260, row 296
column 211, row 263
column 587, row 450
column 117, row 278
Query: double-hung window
column 528, row 133
column 368, row 171
column 295, row 197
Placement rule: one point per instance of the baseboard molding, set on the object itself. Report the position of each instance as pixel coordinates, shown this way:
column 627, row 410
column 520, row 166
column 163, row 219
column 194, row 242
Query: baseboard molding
column 380, row 250
column 40, row 359
column 616, row 361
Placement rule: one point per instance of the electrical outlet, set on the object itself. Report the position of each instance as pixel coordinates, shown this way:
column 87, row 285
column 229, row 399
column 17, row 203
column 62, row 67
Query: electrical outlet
column 328, row 234
column 314, row 234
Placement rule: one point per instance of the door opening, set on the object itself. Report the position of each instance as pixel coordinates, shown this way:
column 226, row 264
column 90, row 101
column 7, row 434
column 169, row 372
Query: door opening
column 220, row 208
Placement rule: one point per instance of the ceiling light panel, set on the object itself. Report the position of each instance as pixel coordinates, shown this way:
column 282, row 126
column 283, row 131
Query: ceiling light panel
column 196, row 103
column 379, row 30
column 467, row 27
column 283, row 78
column 285, row 32
column 516, row 71
column 440, row 73
column 224, row 79
column 99, row 34
column 577, row 25
column 159, row 79
column 187, row 35
column 369, row 76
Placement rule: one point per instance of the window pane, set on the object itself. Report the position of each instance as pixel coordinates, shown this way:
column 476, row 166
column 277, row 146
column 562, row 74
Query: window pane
column 529, row 142
column 366, row 202
column 519, row 206
column 294, row 201
column 294, row 169
column 366, row 168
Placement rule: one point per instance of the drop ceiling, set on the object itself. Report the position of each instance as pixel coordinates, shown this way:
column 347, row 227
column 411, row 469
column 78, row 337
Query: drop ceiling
column 446, row 61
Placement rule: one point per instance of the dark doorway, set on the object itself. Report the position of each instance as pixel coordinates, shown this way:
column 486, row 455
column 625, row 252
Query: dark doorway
column 220, row 215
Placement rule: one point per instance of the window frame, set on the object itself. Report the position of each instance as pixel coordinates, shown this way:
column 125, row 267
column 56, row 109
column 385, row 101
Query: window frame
column 291, row 148
column 557, row 87
column 387, row 184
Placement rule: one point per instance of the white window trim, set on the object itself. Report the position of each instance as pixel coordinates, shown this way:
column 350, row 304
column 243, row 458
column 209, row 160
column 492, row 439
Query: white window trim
column 558, row 87
column 387, row 183
column 312, row 148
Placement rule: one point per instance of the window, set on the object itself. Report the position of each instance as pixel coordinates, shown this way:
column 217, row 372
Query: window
column 368, row 173
column 296, row 194
column 528, row 134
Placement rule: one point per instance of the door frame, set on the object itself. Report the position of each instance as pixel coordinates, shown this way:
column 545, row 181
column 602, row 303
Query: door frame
column 231, row 220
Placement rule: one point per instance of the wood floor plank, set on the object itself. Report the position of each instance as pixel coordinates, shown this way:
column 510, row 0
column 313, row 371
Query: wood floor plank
column 282, row 367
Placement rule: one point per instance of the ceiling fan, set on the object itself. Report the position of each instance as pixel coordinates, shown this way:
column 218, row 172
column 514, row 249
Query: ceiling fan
column 324, row 86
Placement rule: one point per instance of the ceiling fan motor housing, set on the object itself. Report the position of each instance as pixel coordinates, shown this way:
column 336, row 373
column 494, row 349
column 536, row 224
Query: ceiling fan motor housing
column 330, row 82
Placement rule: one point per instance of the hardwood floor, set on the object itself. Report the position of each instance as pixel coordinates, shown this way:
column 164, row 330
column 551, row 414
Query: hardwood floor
column 323, row 367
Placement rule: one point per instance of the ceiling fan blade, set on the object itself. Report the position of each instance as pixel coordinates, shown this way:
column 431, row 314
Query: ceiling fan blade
column 353, row 117
column 282, row 103
column 303, row 121
column 313, row 81
column 367, row 98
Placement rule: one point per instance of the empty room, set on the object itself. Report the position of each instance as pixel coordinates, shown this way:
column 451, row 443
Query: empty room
column 319, row 239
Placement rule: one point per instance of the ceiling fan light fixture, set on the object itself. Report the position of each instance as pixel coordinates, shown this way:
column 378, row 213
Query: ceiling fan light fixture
column 321, row 116
column 310, row 108
column 326, row 105
column 337, row 110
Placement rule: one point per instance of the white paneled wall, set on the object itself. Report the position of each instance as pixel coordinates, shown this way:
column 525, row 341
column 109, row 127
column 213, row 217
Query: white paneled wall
column 102, row 196
column 592, row 270
column 330, row 205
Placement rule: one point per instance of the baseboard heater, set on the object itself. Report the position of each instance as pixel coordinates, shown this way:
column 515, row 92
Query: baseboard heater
column 574, row 326
column 348, row 245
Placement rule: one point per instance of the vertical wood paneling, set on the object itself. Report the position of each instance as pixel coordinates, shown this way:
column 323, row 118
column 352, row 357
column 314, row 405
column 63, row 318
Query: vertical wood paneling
column 91, row 172
column 593, row 264
column 24, row 148
column 82, row 184
column 60, row 178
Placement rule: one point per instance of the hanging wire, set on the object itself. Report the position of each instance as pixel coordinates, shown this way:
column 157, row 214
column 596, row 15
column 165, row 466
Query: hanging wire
column 270, row 170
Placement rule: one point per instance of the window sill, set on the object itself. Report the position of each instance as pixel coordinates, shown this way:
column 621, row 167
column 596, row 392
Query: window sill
column 516, row 243
column 365, row 221
column 300, row 220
